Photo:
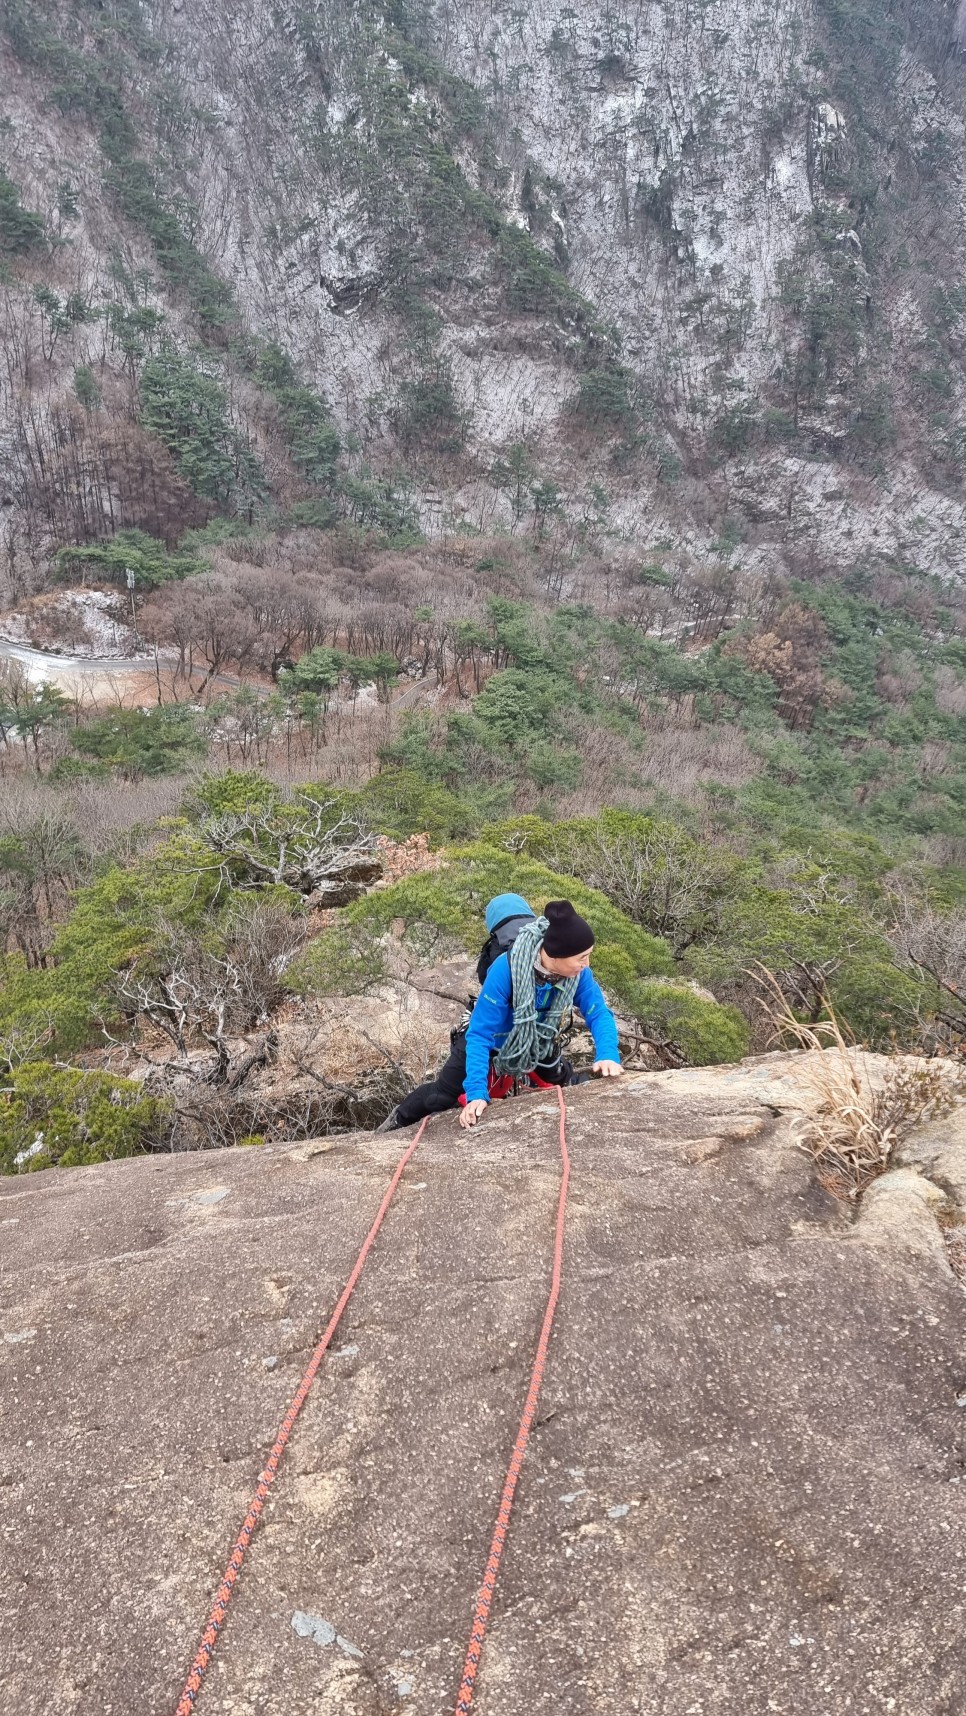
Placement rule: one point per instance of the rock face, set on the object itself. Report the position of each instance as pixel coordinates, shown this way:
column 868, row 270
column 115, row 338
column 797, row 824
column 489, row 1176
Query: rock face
column 744, row 1491
column 764, row 203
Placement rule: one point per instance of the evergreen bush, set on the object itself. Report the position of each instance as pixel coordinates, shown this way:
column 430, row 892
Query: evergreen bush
column 70, row 1117
column 21, row 230
column 443, row 909
column 128, row 551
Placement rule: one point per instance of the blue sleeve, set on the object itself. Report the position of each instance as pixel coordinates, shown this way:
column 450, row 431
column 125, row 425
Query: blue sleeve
column 603, row 1026
column 491, row 1019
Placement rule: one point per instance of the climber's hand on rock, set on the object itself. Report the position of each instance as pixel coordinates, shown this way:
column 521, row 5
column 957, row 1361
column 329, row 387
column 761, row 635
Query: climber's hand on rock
column 473, row 1112
column 608, row 1069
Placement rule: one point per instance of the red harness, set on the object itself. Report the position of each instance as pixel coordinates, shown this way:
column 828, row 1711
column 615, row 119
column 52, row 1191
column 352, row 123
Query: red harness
column 500, row 1085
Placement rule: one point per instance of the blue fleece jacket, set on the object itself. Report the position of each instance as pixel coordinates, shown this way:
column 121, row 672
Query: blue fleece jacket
column 492, row 1018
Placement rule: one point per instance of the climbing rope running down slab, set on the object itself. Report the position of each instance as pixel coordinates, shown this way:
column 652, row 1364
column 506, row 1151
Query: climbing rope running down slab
column 219, row 1607
column 484, row 1600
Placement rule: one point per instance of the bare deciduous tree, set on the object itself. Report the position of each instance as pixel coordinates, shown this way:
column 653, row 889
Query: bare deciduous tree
column 671, row 887
column 197, row 989
column 328, row 862
column 933, row 943
column 203, row 618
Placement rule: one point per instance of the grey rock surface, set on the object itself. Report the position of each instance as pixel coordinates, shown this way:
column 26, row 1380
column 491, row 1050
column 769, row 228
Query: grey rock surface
column 745, row 1486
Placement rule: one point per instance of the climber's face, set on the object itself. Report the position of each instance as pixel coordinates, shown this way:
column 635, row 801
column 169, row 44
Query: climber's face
column 572, row 966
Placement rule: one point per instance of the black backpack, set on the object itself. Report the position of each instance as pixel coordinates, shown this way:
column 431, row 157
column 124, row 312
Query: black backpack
column 500, row 941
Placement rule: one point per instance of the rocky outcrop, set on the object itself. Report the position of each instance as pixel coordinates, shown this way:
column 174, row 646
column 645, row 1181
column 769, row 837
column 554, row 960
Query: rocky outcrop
column 744, row 1489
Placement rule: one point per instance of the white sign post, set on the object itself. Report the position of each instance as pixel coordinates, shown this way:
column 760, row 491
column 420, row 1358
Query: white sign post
column 129, row 577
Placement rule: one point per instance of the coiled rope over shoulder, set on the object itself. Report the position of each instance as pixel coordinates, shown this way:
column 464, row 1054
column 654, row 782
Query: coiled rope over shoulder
column 532, row 1037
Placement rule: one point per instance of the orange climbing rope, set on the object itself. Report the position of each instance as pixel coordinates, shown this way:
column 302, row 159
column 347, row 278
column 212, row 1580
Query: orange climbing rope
column 219, row 1607
column 485, row 1598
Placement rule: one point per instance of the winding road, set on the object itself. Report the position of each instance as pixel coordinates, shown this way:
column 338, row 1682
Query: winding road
column 39, row 663
column 88, row 673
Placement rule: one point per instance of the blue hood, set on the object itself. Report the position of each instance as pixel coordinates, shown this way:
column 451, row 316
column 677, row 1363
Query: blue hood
column 506, row 906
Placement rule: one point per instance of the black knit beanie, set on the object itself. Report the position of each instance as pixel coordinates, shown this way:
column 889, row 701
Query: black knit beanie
column 568, row 934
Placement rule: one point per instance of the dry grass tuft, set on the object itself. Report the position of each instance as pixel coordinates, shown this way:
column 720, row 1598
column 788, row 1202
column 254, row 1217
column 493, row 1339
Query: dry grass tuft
column 857, row 1122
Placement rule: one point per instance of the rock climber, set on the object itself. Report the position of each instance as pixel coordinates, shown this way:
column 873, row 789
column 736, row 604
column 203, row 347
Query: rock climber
column 534, row 971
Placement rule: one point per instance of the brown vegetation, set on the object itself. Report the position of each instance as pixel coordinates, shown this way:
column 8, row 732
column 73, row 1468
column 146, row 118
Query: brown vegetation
column 856, row 1120
column 83, row 477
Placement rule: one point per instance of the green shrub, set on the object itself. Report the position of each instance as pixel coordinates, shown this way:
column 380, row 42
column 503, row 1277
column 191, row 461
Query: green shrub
column 826, row 942
column 317, row 672
column 67, row 770
column 348, row 959
column 236, row 792
column 383, row 504
column 319, row 513
column 605, row 397
column 534, row 286
column 20, row 229
column 130, row 550
column 135, row 743
column 398, row 802
column 86, row 390
column 521, row 706
column 117, row 918
column 706, row 1033
column 136, row 186
column 77, row 1117
column 429, row 414
column 442, row 910
column 185, row 405
column 516, row 730
column 306, row 418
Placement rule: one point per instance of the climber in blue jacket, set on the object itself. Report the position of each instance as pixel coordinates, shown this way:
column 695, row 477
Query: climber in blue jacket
column 526, row 994
column 534, row 970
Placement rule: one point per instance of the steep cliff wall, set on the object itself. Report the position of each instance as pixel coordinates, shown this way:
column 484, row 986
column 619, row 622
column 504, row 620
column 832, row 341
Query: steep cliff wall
column 700, row 261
